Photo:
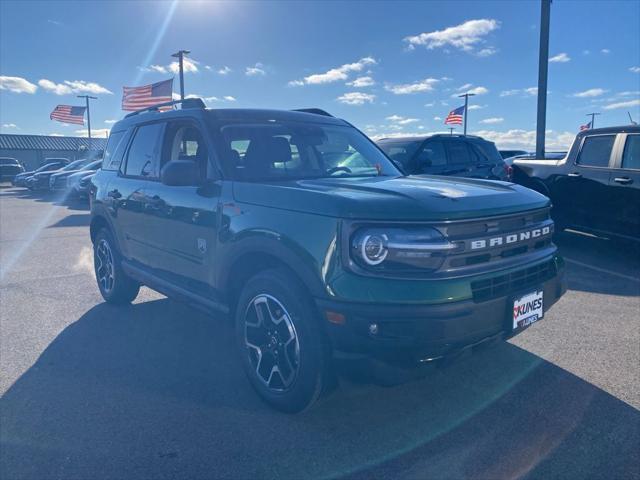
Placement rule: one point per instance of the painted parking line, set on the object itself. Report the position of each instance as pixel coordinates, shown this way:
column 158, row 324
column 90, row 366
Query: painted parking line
column 603, row 270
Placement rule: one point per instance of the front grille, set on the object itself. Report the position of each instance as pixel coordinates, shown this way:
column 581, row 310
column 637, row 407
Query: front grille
column 511, row 283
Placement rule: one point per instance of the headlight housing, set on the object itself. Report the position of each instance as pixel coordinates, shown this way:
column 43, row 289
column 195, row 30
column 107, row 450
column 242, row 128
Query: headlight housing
column 399, row 249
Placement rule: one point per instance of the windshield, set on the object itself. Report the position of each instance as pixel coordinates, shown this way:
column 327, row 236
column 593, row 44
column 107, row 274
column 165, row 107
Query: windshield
column 75, row 165
column 292, row 150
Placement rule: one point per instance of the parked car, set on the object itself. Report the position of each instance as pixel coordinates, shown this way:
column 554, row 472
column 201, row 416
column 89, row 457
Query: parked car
column 79, row 184
column 456, row 155
column 58, row 180
column 9, row 168
column 20, row 180
column 512, row 153
column 40, row 180
column 255, row 214
column 596, row 187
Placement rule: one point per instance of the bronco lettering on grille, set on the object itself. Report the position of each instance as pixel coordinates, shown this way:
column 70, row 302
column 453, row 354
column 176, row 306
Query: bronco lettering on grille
column 509, row 239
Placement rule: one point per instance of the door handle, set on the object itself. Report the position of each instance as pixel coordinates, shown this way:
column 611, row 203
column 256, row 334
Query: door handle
column 623, row 180
column 115, row 194
column 574, row 175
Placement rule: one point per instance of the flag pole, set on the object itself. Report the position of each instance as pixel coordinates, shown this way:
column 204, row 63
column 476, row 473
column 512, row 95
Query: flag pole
column 87, row 97
column 466, row 108
column 593, row 118
column 543, row 71
column 180, row 56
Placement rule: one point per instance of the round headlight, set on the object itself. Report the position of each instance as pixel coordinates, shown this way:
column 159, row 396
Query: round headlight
column 373, row 249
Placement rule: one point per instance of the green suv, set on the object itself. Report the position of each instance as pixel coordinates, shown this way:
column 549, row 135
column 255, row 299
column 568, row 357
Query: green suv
column 305, row 233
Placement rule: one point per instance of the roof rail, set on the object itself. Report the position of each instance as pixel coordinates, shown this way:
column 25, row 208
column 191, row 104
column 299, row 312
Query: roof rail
column 186, row 103
column 315, row 111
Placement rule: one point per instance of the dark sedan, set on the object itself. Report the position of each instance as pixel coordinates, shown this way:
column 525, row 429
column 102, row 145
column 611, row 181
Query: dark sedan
column 58, row 180
column 20, row 180
column 40, row 181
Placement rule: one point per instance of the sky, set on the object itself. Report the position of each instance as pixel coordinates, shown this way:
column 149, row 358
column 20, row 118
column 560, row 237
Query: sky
column 390, row 68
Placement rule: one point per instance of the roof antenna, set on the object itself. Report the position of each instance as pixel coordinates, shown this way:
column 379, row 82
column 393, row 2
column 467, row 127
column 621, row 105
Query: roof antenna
column 631, row 119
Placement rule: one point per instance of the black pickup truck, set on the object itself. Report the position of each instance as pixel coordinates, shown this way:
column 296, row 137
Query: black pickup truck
column 596, row 187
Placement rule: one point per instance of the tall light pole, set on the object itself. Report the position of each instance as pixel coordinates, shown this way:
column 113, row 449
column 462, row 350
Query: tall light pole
column 87, row 97
column 543, row 69
column 180, row 56
column 466, row 109
column 593, row 118
column 451, row 129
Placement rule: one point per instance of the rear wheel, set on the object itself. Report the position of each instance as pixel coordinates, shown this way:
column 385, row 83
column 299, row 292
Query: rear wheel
column 283, row 350
column 115, row 286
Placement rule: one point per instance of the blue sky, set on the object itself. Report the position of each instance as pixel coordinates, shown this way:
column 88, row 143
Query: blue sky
column 388, row 67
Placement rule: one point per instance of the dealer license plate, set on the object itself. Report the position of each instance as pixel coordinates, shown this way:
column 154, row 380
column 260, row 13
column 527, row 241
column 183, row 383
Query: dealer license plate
column 527, row 309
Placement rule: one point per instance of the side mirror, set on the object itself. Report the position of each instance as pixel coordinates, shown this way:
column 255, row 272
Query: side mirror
column 180, row 173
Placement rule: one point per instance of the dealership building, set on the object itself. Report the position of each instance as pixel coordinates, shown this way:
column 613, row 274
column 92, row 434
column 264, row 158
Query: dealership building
column 33, row 150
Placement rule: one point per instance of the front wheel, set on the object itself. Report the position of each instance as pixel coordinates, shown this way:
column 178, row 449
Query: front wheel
column 283, row 349
column 115, row 286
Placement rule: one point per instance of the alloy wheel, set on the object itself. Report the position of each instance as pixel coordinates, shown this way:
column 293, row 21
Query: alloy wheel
column 272, row 342
column 105, row 266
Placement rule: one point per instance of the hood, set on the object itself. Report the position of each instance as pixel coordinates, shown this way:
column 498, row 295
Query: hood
column 394, row 198
column 45, row 174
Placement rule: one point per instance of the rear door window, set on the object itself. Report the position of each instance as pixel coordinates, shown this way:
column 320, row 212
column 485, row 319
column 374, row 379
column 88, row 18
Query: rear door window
column 142, row 158
column 111, row 160
column 596, row 151
column 631, row 155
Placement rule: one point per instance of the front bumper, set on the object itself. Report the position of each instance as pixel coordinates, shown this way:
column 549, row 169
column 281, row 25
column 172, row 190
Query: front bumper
column 416, row 334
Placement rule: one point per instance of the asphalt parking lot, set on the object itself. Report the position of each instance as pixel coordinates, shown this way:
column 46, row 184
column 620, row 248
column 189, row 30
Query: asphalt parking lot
column 154, row 390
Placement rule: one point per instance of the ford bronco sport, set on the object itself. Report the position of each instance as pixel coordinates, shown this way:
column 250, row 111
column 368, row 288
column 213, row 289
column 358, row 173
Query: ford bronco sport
column 300, row 228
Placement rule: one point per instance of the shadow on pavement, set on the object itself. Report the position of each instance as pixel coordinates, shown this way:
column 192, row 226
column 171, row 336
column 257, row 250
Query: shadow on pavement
column 73, row 220
column 155, row 391
column 600, row 265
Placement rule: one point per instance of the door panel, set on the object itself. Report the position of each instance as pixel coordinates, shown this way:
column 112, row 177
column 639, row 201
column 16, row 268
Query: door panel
column 581, row 197
column 126, row 200
column 624, row 185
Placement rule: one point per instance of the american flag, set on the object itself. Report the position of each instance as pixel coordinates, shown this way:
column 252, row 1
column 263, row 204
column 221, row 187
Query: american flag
column 455, row 116
column 68, row 114
column 586, row 126
column 137, row 98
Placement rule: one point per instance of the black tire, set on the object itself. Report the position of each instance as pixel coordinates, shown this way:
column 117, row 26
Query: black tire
column 277, row 294
column 118, row 288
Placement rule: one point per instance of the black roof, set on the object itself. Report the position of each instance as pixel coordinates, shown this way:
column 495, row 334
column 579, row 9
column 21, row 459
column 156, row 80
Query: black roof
column 619, row 129
column 232, row 114
column 420, row 138
column 47, row 142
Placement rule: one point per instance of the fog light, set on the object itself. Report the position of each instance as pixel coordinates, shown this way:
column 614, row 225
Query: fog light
column 373, row 328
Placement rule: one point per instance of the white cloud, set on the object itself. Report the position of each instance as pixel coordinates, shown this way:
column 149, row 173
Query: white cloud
column 531, row 91
column 257, row 69
column 75, row 86
column 628, row 93
column 560, row 58
column 356, row 98
column 362, row 82
column 428, row 104
column 492, row 120
column 9, row 125
column 605, row 51
column 189, row 65
column 335, row 74
column 402, row 120
column 487, row 52
column 226, row 98
column 465, row 86
column 592, row 92
column 634, row 69
column 95, row 132
column 17, row 85
column 437, row 118
column 229, row 98
column 56, row 135
column 224, row 70
column 464, row 36
column 627, row 104
column 208, row 67
column 474, row 91
column 526, row 139
column 110, row 122
column 425, row 85
column 476, row 107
